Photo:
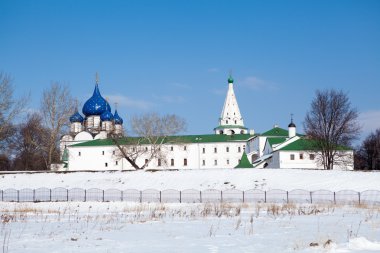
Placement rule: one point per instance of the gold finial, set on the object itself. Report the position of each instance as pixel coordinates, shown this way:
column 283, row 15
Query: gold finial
column 116, row 105
column 97, row 78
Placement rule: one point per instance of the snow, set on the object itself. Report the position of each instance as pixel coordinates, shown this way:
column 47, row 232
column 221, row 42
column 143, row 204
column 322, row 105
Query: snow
column 199, row 227
column 132, row 227
column 221, row 179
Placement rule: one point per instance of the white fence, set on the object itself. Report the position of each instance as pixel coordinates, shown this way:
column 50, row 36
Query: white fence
column 191, row 196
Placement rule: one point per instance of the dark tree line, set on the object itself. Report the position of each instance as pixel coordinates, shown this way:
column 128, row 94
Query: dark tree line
column 367, row 155
column 30, row 141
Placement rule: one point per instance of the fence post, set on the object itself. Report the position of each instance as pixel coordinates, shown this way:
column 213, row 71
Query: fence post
column 200, row 196
column 85, row 195
column 221, row 196
column 67, row 195
column 18, row 196
column 50, row 194
column 180, row 196
column 34, row 195
column 2, row 195
column 311, row 197
column 160, row 197
column 265, row 196
column 103, row 195
column 334, row 199
column 359, row 197
column 243, row 196
column 140, row 196
column 287, row 197
column 122, row 196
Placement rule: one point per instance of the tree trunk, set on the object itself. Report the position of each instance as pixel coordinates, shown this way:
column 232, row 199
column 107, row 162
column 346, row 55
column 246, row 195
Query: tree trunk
column 124, row 154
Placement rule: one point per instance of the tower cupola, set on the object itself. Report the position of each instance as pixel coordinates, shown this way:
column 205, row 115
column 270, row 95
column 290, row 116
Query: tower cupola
column 292, row 128
column 96, row 104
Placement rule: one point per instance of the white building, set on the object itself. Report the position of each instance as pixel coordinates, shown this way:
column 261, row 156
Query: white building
column 87, row 146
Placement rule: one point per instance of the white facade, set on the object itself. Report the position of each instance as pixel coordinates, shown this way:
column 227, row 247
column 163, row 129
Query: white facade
column 183, row 156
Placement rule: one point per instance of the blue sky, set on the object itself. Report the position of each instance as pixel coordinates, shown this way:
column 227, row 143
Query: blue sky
column 175, row 56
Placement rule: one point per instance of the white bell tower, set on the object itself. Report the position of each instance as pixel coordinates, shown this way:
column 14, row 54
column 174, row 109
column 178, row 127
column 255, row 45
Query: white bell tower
column 231, row 121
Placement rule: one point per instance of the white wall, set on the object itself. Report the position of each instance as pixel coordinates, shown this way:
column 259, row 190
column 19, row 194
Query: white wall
column 95, row 158
column 282, row 159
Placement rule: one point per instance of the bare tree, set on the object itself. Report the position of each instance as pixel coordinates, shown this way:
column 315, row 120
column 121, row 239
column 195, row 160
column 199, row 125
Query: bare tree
column 332, row 125
column 57, row 105
column 29, row 143
column 10, row 108
column 153, row 133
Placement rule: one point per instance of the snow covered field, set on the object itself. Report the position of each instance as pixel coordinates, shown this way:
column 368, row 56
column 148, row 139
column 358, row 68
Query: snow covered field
column 129, row 227
column 221, row 179
column 200, row 227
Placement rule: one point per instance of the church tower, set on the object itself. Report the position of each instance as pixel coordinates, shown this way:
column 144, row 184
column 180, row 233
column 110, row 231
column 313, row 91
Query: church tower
column 231, row 121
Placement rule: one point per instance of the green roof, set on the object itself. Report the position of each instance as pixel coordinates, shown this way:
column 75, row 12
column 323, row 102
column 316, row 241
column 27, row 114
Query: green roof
column 207, row 138
column 276, row 140
column 278, row 132
column 244, row 162
column 306, row 144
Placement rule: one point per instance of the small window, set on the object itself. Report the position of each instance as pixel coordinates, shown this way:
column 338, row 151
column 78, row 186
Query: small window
column 102, row 152
column 204, row 150
column 106, row 164
column 184, row 148
column 79, row 153
column 171, row 148
column 185, row 162
column 146, row 161
column 117, row 163
column 239, row 149
column 203, row 162
column 291, row 157
column 312, row 156
column 226, row 121
column 235, row 122
column 301, row 156
column 228, row 161
column 227, row 149
column 215, row 162
column 133, row 149
column 146, row 148
column 159, row 162
column 215, row 150
column 172, row 162
column 113, row 152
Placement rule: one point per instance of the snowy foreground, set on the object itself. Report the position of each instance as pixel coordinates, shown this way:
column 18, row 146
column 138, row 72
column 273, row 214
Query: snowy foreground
column 221, row 179
column 130, row 227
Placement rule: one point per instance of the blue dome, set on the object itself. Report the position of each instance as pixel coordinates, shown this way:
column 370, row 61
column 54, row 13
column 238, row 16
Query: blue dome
column 118, row 119
column 96, row 104
column 106, row 116
column 76, row 117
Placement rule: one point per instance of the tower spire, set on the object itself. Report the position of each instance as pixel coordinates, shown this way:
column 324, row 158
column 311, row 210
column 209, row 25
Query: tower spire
column 96, row 78
column 231, row 121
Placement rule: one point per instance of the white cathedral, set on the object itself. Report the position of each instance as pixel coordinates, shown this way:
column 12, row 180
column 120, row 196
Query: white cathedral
column 88, row 146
